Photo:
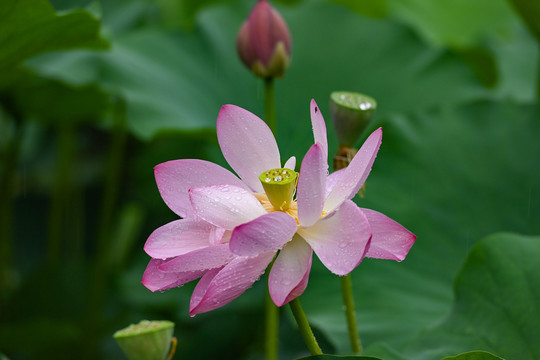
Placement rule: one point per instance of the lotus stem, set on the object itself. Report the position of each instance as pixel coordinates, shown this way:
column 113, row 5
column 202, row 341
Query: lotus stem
column 269, row 105
column 305, row 329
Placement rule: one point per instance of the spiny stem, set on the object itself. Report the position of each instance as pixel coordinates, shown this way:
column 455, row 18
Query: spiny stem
column 350, row 313
column 305, row 329
column 269, row 105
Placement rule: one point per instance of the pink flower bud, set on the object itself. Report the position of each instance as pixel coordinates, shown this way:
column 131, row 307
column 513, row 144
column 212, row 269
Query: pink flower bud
column 264, row 42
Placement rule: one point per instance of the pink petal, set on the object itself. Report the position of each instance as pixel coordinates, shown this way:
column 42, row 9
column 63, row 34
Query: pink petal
column 268, row 232
column 390, row 240
column 290, row 272
column 175, row 178
column 311, row 186
column 178, row 237
column 230, row 282
column 210, row 257
column 291, row 163
column 202, row 286
column 155, row 280
column 217, row 235
column 341, row 239
column 225, row 206
column 247, row 144
column 319, row 128
column 332, row 179
column 302, row 285
column 355, row 174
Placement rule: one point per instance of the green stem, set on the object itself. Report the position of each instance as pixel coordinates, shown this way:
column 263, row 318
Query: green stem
column 350, row 314
column 61, row 193
column 305, row 329
column 270, row 104
column 341, row 161
column 538, row 72
column 102, row 264
column 113, row 172
column 270, row 309
column 75, row 246
column 7, row 194
column 271, row 317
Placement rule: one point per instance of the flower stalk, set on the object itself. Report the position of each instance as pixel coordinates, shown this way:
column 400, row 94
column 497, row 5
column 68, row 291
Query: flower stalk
column 341, row 161
column 61, row 192
column 10, row 155
column 305, row 329
column 271, row 318
column 270, row 105
column 271, row 311
column 351, row 113
column 350, row 313
column 112, row 185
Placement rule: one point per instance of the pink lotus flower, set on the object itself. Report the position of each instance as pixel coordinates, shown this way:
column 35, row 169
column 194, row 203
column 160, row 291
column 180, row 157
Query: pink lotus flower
column 232, row 229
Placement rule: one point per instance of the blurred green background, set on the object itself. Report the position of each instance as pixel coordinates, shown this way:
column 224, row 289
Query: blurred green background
column 93, row 95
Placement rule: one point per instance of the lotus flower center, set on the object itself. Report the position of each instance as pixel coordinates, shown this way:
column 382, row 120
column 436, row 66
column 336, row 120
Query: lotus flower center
column 291, row 210
column 279, row 187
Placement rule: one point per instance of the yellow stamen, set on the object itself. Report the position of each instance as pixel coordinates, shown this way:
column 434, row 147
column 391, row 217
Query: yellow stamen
column 267, row 205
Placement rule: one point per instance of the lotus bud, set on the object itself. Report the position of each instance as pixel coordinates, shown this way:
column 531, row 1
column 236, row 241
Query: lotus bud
column 351, row 113
column 147, row 340
column 264, row 42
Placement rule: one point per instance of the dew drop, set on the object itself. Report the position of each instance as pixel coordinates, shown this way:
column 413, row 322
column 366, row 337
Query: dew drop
column 364, row 105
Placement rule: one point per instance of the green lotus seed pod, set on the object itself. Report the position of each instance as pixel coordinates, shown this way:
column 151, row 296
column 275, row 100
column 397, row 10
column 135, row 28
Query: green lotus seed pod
column 147, row 340
column 351, row 113
column 280, row 186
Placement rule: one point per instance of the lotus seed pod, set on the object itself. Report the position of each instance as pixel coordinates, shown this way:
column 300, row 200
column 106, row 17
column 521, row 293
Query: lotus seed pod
column 351, row 113
column 147, row 340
